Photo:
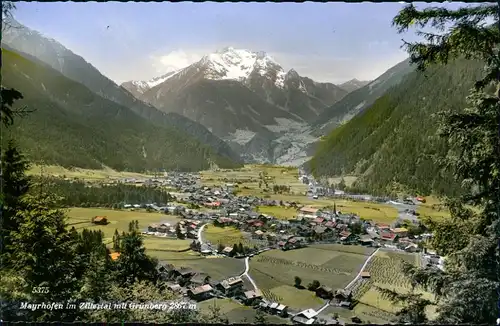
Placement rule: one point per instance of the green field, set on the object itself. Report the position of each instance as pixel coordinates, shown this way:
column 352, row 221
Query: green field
column 280, row 212
column 433, row 208
column 237, row 313
column 87, row 174
column 80, row 218
column 248, row 179
column 367, row 314
column 274, row 272
column 218, row 268
column 227, row 236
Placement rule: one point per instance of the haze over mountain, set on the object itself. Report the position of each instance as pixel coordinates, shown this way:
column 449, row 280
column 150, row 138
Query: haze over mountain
column 353, row 84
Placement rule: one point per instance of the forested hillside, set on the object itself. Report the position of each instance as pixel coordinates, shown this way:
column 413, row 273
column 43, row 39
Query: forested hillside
column 393, row 144
column 72, row 126
column 41, row 49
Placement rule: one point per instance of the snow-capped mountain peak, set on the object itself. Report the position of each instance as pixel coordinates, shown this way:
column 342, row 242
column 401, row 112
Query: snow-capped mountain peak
column 142, row 86
column 235, row 64
column 227, row 63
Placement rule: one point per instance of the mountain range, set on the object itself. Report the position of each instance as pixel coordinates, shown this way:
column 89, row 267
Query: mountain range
column 246, row 98
column 353, row 84
column 230, row 107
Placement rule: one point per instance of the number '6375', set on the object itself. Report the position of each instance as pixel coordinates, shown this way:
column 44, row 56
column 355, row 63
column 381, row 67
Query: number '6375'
column 40, row 289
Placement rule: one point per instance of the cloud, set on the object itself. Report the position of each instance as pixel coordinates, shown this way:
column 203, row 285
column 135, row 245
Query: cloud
column 175, row 60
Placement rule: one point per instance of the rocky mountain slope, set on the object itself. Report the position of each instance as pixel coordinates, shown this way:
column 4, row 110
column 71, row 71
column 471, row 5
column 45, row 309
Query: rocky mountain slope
column 302, row 142
column 392, row 143
column 353, row 84
column 71, row 65
column 73, row 127
column 244, row 97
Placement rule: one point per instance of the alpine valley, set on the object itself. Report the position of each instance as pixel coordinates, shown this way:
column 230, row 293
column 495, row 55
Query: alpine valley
column 233, row 106
column 247, row 99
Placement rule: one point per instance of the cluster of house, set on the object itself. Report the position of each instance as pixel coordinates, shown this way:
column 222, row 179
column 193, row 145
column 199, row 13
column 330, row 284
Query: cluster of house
column 188, row 229
column 199, row 287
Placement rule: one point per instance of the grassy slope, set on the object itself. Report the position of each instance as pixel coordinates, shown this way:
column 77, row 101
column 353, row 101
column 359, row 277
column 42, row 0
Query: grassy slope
column 391, row 143
column 71, row 126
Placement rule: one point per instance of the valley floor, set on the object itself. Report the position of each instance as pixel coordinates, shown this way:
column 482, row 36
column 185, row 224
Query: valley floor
column 273, row 271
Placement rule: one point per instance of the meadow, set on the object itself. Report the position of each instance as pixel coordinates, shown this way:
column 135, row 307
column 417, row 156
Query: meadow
column 274, row 272
column 80, row 218
column 227, row 236
column 248, row 178
column 433, row 208
column 279, row 212
column 87, row 174
column 237, row 313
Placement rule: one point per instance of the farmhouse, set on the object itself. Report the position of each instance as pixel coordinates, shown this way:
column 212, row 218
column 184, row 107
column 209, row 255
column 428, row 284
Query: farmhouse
column 366, row 240
column 227, row 250
column 309, row 212
column 174, row 287
column 199, row 279
column 100, row 220
column 388, row 236
column 201, row 292
column 343, row 295
column 365, row 275
column 231, row 287
column 281, row 310
column 252, row 296
column 306, row 317
column 401, row 232
column 324, row 292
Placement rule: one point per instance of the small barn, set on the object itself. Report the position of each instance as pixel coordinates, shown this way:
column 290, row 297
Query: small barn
column 101, row 220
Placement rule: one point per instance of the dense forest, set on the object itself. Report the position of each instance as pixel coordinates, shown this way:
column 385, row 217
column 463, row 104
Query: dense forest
column 73, row 127
column 393, row 145
column 75, row 193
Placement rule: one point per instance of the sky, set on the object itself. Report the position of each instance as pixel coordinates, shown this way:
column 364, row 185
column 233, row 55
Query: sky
column 328, row 42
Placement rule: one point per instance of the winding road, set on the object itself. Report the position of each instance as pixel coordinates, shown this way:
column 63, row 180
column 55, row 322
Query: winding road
column 247, row 263
column 352, row 282
column 200, row 231
column 247, row 268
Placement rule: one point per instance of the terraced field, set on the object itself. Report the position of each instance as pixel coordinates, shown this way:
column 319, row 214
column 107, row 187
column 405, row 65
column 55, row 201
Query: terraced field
column 386, row 272
column 275, row 271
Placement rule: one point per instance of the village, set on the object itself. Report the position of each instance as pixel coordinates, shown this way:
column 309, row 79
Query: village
column 199, row 207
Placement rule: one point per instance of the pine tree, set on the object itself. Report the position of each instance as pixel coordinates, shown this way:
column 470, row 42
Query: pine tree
column 467, row 289
column 134, row 265
column 15, row 184
column 116, row 241
column 43, row 255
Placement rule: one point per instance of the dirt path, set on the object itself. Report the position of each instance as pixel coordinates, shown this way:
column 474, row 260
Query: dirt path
column 361, row 270
column 247, row 268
